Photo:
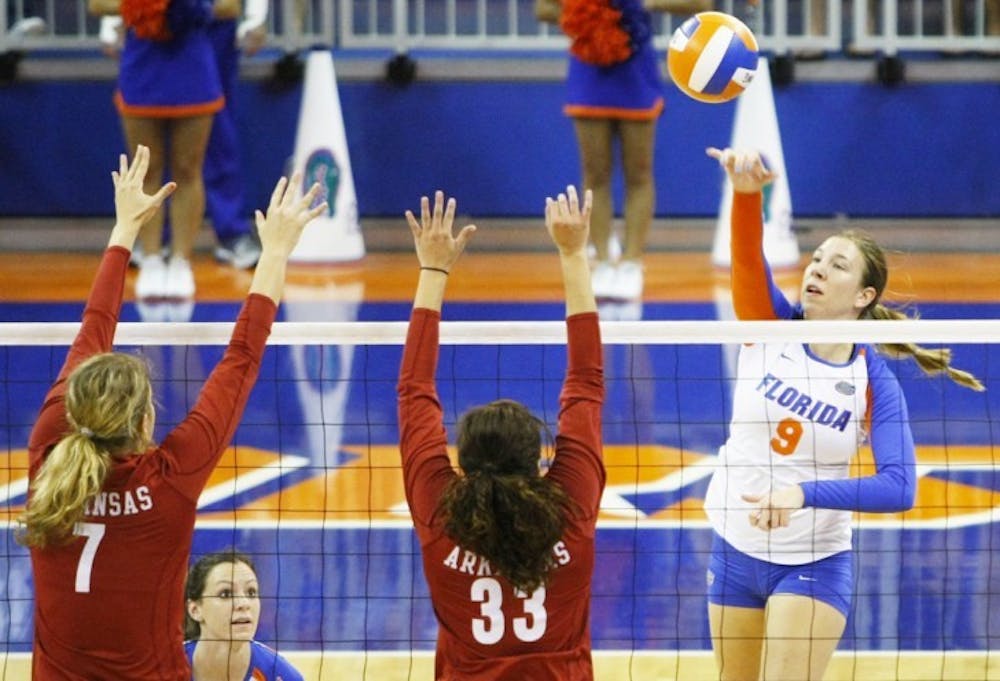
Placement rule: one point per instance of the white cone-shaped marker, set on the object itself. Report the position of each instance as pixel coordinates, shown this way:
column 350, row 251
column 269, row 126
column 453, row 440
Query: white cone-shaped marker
column 756, row 127
column 321, row 155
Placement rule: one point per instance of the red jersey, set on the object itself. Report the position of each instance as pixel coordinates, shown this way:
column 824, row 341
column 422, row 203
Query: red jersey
column 110, row 604
column 487, row 630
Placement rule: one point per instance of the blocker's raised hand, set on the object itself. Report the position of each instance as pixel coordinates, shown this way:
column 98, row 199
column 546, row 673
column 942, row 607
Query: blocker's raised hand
column 133, row 206
column 567, row 223
column 436, row 246
column 287, row 214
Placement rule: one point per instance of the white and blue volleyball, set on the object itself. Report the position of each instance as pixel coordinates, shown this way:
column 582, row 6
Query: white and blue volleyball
column 712, row 57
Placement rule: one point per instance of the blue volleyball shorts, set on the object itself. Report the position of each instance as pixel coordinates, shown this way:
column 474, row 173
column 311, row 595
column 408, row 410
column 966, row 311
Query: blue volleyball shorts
column 737, row 579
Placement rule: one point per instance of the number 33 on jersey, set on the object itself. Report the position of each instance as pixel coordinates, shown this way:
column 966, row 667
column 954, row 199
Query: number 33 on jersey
column 529, row 624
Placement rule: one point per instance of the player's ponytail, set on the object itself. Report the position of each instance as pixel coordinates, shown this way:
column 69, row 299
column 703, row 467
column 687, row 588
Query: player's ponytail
column 501, row 508
column 930, row 360
column 876, row 275
column 108, row 397
column 73, row 472
column 513, row 521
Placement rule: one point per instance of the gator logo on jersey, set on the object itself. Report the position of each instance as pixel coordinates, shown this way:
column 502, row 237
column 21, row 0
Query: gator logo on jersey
column 844, row 388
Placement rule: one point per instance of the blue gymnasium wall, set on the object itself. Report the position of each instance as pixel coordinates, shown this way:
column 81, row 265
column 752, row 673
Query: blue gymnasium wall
column 861, row 149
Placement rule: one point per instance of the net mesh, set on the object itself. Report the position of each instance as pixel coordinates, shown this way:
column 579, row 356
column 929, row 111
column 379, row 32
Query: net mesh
column 312, row 489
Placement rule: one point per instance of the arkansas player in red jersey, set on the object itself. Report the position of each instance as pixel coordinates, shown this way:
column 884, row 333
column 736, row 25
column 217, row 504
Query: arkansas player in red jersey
column 508, row 553
column 110, row 514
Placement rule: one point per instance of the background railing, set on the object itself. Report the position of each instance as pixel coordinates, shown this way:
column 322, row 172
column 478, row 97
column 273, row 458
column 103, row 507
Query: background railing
column 782, row 26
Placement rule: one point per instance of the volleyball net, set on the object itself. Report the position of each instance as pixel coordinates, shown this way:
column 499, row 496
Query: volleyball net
column 312, row 489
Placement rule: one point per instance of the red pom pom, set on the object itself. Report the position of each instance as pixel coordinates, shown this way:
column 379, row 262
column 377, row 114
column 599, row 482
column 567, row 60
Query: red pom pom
column 148, row 18
column 595, row 28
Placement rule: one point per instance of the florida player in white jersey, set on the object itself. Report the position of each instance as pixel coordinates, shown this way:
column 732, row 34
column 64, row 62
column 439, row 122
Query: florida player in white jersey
column 780, row 576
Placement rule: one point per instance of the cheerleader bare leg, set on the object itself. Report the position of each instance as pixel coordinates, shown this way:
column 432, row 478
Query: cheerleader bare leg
column 189, row 139
column 595, row 137
column 150, row 132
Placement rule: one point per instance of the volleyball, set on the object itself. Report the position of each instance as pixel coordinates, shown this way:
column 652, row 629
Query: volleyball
column 712, row 57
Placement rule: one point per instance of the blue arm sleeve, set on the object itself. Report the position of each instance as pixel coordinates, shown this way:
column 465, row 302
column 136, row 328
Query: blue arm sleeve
column 893, row 487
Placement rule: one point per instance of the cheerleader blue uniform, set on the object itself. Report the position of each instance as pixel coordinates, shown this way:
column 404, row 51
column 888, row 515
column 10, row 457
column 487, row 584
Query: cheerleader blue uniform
column 265, row 663
column 176, row 78
column 628, row 90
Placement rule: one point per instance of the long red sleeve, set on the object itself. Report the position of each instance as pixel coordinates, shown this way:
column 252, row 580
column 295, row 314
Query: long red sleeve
column 422, row 437
column 578, row 464
column 194, row 447
column 96, row 334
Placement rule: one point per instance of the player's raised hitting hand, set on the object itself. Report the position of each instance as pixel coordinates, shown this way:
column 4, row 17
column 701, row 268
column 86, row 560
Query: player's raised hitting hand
column 133, row 206
column 567, row 222
column 437, row 248
column 746, row 169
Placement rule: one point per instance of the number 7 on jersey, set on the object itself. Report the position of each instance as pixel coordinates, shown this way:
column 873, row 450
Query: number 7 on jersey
column 94, row 532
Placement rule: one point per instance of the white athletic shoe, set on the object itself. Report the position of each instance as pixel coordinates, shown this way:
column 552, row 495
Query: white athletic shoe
column 602, row 279
column 180, row 278
column 243, row 252
column 135, row 260
column 628, row 280
column 152, row 279
column 614, row 249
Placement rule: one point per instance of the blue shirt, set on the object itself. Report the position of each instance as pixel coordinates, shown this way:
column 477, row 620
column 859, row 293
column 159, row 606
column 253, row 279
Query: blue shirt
column 265, row 663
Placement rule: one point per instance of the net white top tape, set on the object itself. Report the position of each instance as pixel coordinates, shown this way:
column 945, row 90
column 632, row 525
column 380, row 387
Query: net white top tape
column 528, row 333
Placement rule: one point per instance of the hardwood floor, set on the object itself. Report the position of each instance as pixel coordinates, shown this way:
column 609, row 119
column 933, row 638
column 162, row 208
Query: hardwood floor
column 674, row 276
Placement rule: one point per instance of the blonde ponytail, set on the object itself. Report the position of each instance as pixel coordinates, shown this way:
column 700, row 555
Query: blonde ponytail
column 108, row 398
column 73, row 472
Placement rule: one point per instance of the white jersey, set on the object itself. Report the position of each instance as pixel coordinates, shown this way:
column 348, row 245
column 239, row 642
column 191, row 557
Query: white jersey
column 796, row 418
